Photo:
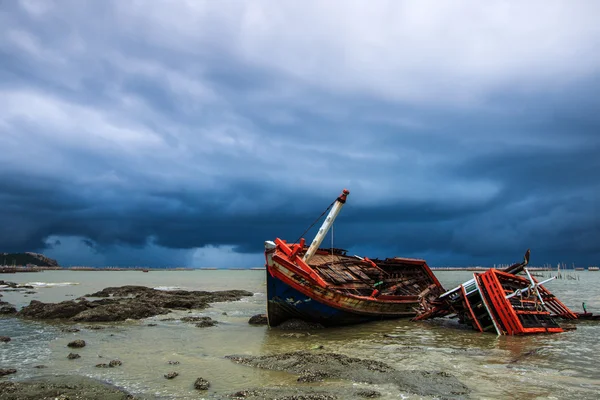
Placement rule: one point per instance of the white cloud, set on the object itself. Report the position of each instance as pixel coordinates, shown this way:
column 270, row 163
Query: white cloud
column 450, row 52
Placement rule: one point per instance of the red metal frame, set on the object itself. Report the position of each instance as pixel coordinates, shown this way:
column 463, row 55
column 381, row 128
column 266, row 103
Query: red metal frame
column 506, row 313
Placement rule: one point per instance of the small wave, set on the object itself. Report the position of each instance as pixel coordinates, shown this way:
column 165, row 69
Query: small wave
column 51, row 284
column 167, row 288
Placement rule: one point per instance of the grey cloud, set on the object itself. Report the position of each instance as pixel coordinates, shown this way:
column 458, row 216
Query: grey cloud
column 205, row 126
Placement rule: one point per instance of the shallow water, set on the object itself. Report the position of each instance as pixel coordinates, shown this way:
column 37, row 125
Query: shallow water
column 562, row 365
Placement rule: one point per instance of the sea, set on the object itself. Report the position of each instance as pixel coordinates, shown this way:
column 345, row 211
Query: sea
column 553, row 366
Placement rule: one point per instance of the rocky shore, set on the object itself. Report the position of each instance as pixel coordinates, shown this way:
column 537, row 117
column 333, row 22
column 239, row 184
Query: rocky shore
column 318, row 366
column 62, row 388
column 126, row 302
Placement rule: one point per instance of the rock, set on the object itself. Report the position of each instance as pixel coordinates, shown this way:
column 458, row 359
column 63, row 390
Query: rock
column 77, row 343
column 223, row 313
column 69, row 330
column 118, row 312
column 298, row 324
column 115, row 363
column 171, row 375
column 126, row 302
column 95, row 327
column 7, row 371
column 258, row 319
column 61, row 387
column 151, row 325
column 30, row 292
column 201, row 384
column 338, row 366
column 73, row 356
column 102, row 365
column 312, row 376
column 173, row 362
column 5, row 339
column 40, row 366
column 368, row 394
column 194, row 319
column 282, row 393
column 201, row 322
column 7, row 309
column 63, row 310
column 206, row 323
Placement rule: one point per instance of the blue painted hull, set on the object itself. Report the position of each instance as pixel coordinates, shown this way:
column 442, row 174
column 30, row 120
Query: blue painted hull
column 285, row 302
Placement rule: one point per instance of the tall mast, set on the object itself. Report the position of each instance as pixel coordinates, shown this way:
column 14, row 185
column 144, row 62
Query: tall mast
column 335, row 210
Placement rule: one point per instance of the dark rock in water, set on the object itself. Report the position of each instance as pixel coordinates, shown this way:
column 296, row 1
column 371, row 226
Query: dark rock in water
column 285, row 393
column 70, row 330
column 11, row 285
column 171, row 375
column 61, row 387
column 77, row 343
column 194, row 319
column 115, row 363
column 368, row 394
column 258, row 319
column 339, row 366
column 30, row 292
column 7, row 308
column 223, row 313
column 312, row 376
column 298, row 325
column 40, row 366
column 151, row 325
column 173, row 362
column 63, row 310
column 7, row 371
column 5, row 339
column 206, row 323
column 127, row 302
column 119, row 312
column 102, row 365
column 73, row 356
column 201, row 384
column 201, row 322
column 95, row 327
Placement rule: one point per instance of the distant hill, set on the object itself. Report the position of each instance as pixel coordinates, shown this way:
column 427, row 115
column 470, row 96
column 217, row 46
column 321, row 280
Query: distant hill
column 22, row 259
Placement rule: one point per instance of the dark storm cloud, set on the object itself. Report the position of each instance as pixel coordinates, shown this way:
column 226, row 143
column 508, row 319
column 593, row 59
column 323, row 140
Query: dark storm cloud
column 144, row 136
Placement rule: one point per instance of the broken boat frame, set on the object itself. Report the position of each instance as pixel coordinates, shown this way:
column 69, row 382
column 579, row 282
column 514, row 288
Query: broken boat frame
column 504, row 303
column 332, row 288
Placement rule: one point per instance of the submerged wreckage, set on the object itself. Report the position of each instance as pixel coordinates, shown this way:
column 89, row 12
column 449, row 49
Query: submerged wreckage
column 503, row 302
column 332, row 288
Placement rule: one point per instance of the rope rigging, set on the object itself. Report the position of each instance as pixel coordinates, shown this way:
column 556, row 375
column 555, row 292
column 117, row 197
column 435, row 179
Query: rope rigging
column 317, row 220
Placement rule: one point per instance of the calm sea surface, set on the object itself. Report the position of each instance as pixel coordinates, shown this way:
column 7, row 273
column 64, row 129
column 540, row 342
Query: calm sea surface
column 561, row 366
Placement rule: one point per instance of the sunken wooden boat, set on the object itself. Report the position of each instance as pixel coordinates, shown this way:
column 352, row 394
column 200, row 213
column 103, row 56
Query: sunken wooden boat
column 502, row 302
column 332, row 288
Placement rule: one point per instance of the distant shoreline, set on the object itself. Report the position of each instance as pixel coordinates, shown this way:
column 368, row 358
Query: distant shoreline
column 12, row 270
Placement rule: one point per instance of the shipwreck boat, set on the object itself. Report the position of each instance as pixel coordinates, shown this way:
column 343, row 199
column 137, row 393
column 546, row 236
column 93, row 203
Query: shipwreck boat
column 503, row 302
column 332, row 288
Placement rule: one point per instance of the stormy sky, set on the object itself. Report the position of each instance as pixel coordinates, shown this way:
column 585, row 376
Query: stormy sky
column 186, row 133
